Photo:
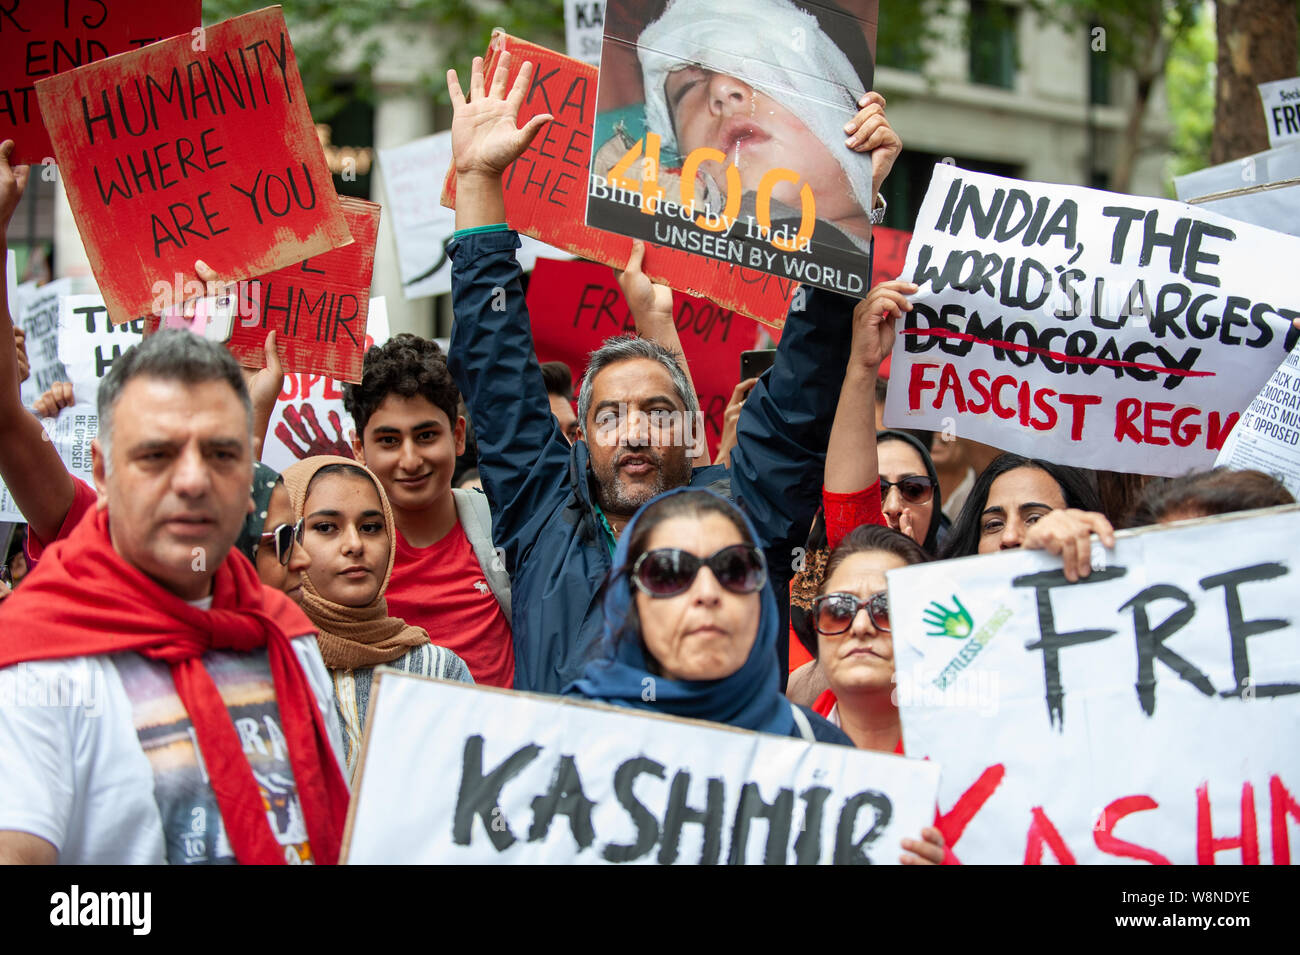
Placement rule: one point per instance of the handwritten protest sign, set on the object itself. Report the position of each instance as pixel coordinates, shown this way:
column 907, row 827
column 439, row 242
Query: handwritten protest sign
column 1271, row 165
column 192, row 148
column 515, row 777
column 422, row 226
column 39, row 38
column 1088, row 328
column 1268, row 436
column 317, row 307
column 90, row 343
column 1146, row 713
column 720, row 131
column 309, row 417
column 546, row 197
column 584, row 25
column 38, row 315
column 1281, row 100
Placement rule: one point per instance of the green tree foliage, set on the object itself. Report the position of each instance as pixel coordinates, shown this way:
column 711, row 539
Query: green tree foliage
column 1189, row 79
column 330, row 33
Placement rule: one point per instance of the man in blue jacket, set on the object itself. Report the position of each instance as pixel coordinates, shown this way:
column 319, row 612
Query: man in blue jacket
column 556, row 509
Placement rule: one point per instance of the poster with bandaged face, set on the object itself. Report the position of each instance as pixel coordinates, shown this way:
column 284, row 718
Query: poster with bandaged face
column 720, row 130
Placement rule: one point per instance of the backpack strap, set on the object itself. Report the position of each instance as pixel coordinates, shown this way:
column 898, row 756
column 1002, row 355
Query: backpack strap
column 475, row 516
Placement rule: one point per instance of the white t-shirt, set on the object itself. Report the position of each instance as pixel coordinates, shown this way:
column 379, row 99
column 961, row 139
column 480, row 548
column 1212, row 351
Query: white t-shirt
column 99, row 758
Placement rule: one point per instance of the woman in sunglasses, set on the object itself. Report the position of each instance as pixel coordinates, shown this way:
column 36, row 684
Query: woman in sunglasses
column 348, row 533
column 691, row 628
column 272, row 538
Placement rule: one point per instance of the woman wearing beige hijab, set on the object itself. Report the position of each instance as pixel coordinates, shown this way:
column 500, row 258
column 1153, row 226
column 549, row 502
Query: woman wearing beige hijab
column 348, row 531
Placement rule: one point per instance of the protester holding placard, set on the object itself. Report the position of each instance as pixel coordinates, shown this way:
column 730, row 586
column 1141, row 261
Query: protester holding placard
column 148, row 619
column 447, row 577
column 556, row 524
column 348, row 532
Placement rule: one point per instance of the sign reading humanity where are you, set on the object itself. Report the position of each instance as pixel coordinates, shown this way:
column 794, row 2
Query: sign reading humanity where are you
column 516, row 777
column 720, row 131
column 198, row 147
column 1089, row 328
column 1148, row 712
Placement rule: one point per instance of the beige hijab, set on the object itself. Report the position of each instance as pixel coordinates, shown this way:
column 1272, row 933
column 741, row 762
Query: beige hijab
column 352, row 637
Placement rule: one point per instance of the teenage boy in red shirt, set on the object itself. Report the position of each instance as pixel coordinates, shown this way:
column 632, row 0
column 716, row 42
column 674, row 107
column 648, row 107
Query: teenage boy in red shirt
column 447, row 578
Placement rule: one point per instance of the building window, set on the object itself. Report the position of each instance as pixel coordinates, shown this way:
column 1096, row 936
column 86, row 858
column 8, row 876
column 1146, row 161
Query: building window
column 1098, row 76
column 992, row 44
column 909, row 180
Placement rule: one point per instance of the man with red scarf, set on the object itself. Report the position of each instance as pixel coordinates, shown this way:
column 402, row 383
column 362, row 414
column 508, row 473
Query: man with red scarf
column 157, row 703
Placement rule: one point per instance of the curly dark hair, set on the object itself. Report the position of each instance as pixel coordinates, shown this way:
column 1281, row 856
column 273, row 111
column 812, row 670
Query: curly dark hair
column 406, row 365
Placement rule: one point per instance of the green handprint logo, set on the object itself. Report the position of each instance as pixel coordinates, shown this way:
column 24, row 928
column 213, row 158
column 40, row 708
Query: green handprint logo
column 948, row 623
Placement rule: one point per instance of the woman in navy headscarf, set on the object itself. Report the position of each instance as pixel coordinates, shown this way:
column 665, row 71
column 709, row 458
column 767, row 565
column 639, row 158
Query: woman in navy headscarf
column 691, row 629
column 691, row 622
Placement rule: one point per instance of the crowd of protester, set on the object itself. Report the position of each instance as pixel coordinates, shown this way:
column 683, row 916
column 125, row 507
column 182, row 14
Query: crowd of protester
column 580, row 551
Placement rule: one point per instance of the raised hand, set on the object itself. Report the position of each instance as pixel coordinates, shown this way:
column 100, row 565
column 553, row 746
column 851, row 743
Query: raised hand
column 646, row 299
column 55, row 400
column 873, row 322
column 955, row 623
column 485, row 136
column 1068, row 532
column 309, row 431
column 13, row 181
column 869, row 131
column 730, row 418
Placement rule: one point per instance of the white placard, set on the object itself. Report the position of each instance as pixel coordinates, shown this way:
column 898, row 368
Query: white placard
column 309, row 417
column 11, row 281
column 514, row 777
column 1281, row 100
column 422, row 226
column 37, row 314
column 1268, row 436
column 1275, row 206
column 1130, row 716
column 584, row 29
column 89, row 343
column 1271, row 165
column 1085, row 327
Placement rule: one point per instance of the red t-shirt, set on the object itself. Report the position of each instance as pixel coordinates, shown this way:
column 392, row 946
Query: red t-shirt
column 442, row 589
column 84, row 498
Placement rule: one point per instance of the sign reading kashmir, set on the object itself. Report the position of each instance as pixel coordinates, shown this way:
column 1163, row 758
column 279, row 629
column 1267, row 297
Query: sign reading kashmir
column 193, row 148
column 1086, row 327
column 39, row 38
column 1147, row 712
column 546, row 199
column 515, row 777
column 316, row 307
column 720, row 130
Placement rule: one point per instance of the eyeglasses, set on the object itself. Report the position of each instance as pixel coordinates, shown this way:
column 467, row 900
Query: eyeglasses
column 669, row 571
column 916, row 489
column 834, row 613
column 285, row 536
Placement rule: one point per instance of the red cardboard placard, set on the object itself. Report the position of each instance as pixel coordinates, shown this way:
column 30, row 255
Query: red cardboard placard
column 546, row 190
column 317, row 308
column 172, row 154
column 40, row 38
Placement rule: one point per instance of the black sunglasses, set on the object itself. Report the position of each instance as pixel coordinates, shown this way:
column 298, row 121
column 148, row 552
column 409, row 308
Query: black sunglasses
column 285, row 536
column 670, row 571
column 916, row 489
column 834, row 613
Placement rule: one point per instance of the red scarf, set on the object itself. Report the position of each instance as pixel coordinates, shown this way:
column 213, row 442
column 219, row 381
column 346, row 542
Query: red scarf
column 83, row 599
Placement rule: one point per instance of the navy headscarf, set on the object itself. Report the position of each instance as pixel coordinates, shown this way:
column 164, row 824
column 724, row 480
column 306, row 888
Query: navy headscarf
column 748, row 699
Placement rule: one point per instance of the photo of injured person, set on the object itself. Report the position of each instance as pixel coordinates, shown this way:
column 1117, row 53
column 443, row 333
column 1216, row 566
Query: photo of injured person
column 720, row 130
